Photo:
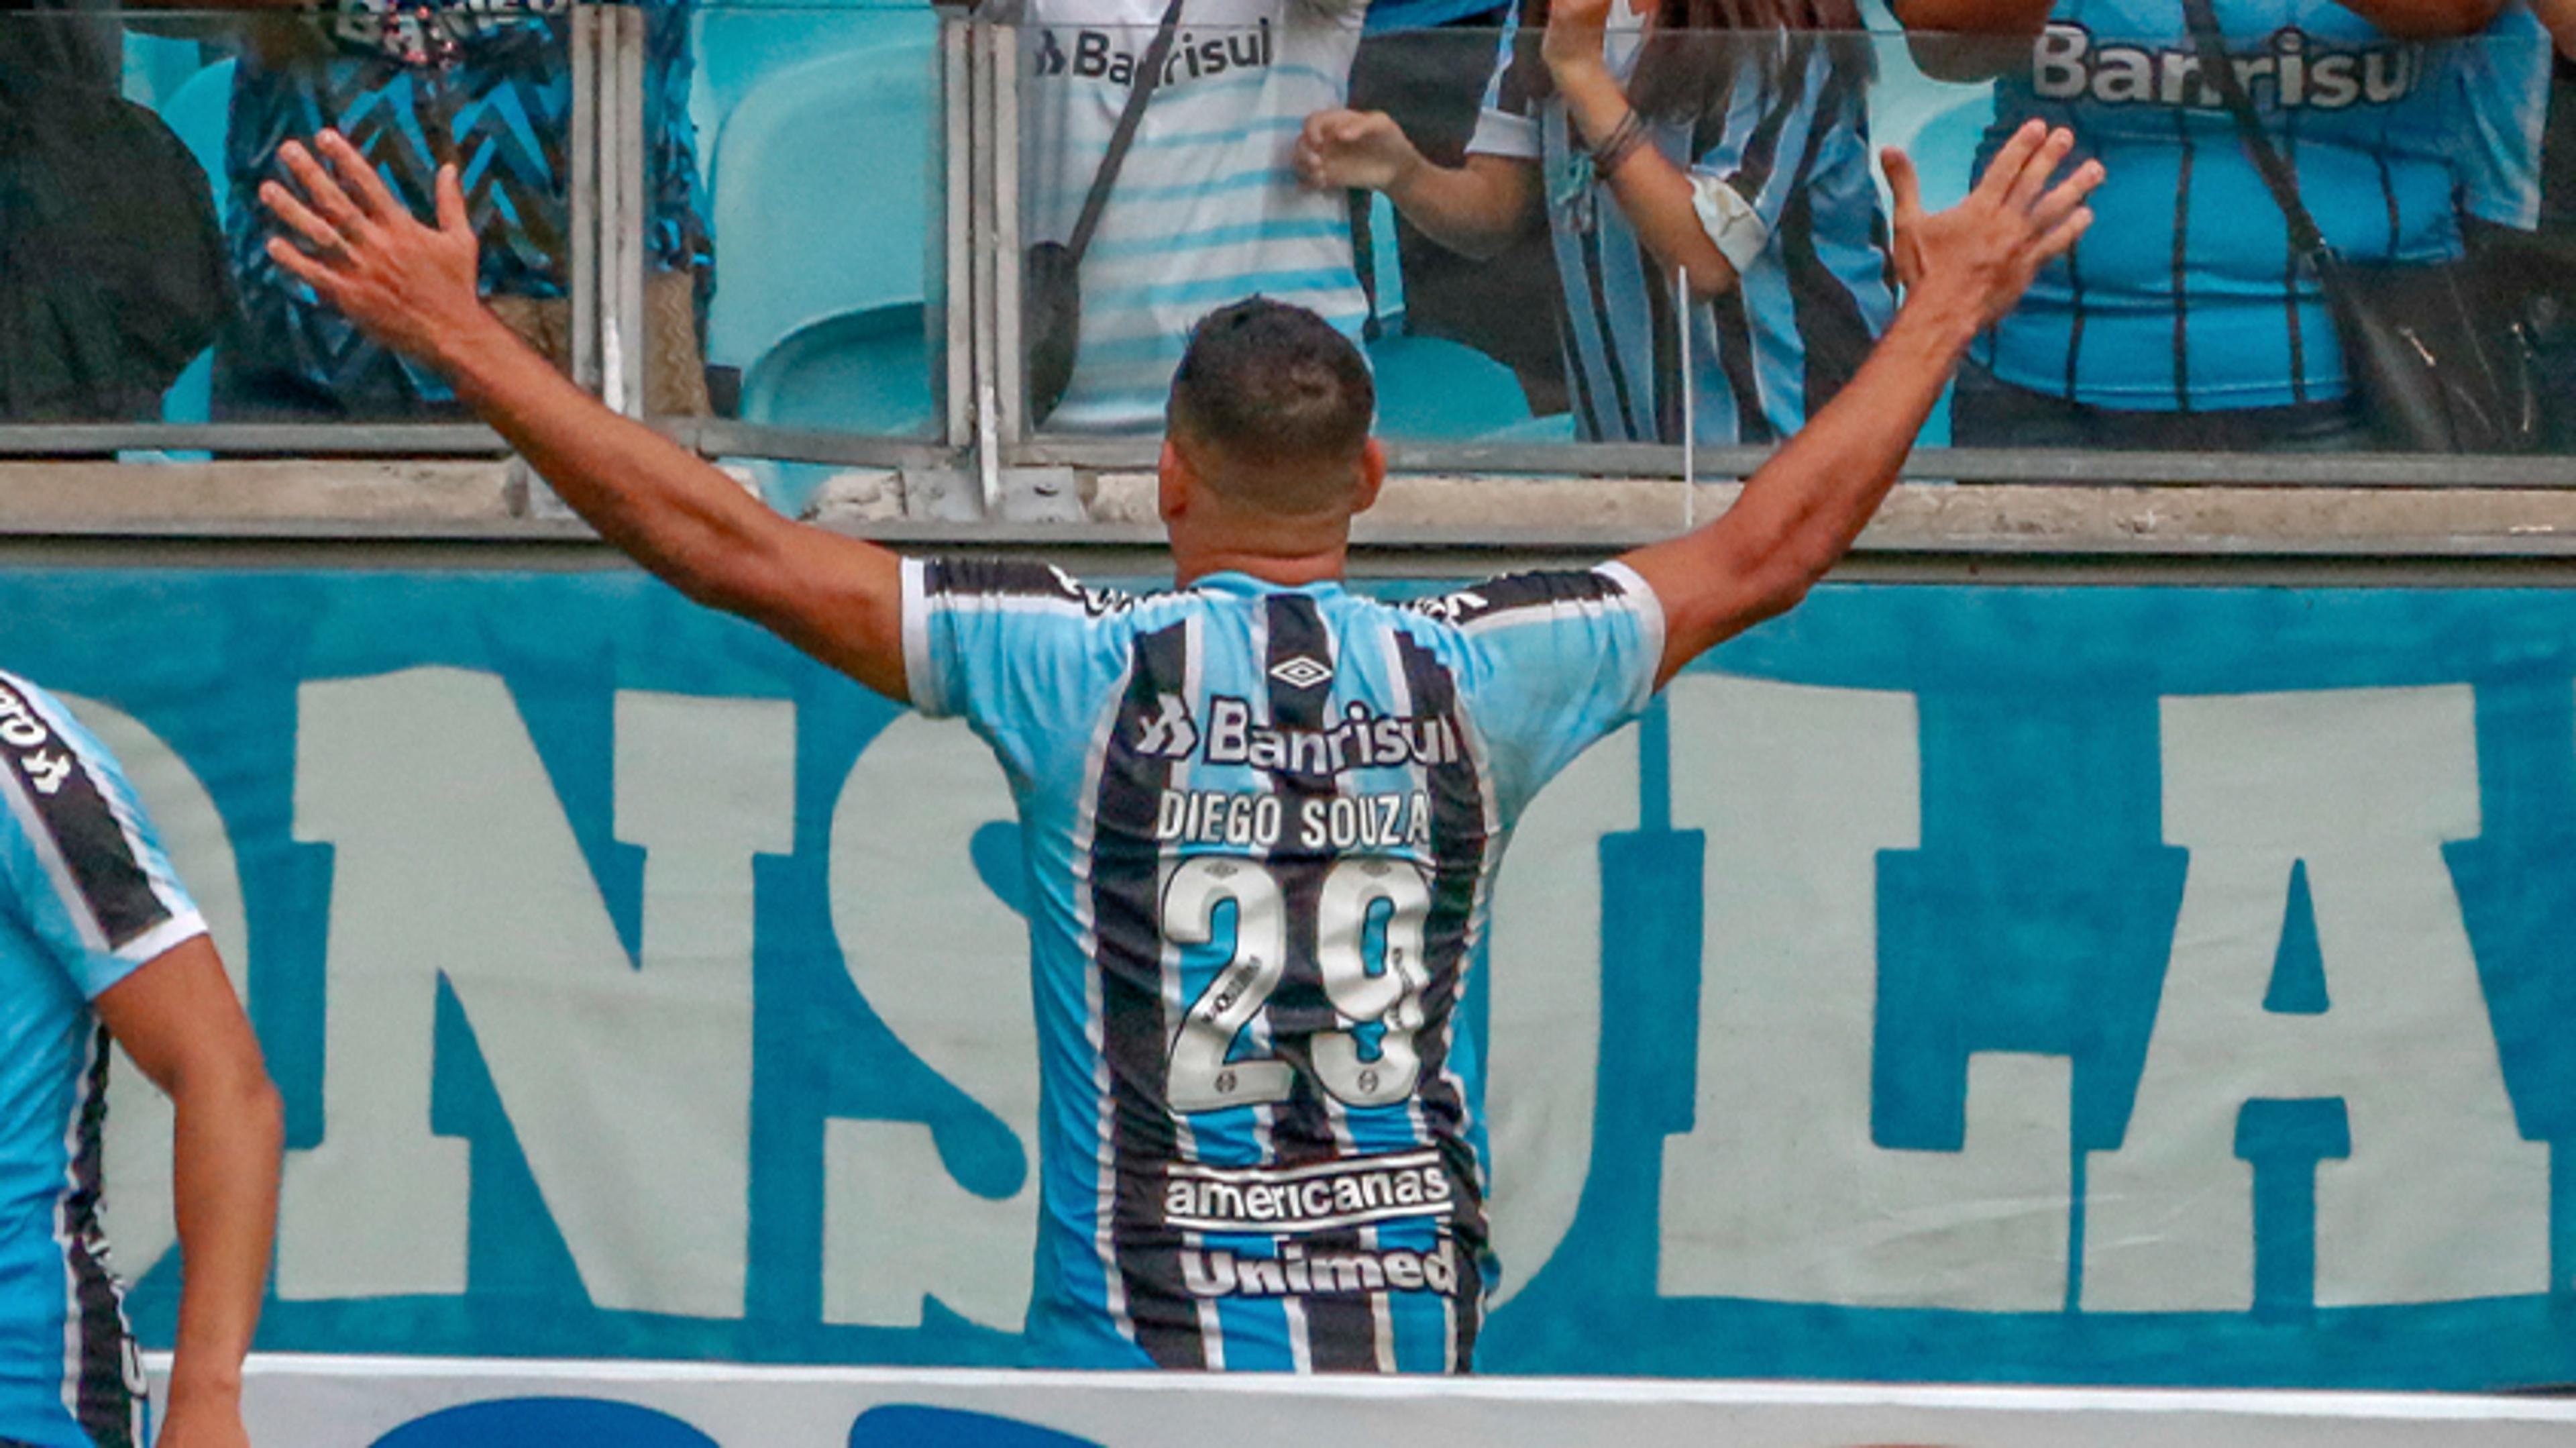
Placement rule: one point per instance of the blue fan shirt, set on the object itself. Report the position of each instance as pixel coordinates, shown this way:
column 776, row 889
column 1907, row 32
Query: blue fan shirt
column 2186, row 295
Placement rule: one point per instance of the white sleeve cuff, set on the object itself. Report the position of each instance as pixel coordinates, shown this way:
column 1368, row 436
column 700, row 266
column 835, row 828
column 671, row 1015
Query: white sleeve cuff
column 1733, row 226
column 1500, row 133
column 920, row 670
column 1650, row 623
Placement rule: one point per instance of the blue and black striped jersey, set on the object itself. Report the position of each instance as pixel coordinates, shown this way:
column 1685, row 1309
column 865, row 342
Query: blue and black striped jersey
column 1261, row 824
column 86, row 897
column 2186, row 295
column 1788, row 132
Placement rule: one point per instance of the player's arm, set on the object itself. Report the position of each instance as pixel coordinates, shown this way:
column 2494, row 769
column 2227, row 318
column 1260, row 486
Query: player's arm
column 1962, row 269
column 412, row 287
column 176, row 1016
column 1475, row 210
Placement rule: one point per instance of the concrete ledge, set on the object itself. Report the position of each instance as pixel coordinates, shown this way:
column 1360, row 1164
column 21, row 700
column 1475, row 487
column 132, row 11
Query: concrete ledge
column 458, row 502
column 365, row 491
column 1934, row 517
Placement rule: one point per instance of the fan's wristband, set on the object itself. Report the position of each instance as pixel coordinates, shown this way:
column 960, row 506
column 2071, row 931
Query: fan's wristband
column 1733, row 226
column 1622, row 142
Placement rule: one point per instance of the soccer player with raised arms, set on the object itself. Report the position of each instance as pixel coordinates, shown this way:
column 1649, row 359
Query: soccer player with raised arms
column 99, row 940
column 1262, row 813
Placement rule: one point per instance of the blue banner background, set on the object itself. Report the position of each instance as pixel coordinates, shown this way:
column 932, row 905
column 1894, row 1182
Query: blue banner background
column 2037, row 916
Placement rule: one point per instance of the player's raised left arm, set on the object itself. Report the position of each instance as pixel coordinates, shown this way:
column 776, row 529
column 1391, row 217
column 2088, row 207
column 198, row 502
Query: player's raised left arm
column 176, row 1016
column 412, row 287
column 1963, row 268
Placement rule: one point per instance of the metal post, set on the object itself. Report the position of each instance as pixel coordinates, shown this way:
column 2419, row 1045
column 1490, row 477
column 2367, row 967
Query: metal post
column 958, row 281
column 622, row 212
column 1007, row 371
column 995, row 411
column 582, row 152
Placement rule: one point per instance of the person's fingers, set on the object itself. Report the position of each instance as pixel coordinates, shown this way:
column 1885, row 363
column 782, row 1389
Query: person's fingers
column 363, row 183
column 299, row 218
column 2043, row 165
column 1904, row 185
column 2062, row 237
column 307, row 268
column 321, row 194
column 452, row 216
column 2065, row 196
column 2004, row 172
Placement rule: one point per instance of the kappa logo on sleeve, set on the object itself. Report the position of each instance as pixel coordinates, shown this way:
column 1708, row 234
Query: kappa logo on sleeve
column 28, row 739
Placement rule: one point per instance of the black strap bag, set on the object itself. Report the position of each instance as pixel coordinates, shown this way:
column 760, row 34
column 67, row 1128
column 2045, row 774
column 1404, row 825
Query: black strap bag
column 2427, row 361
column 1051, row 275
column 112, row 274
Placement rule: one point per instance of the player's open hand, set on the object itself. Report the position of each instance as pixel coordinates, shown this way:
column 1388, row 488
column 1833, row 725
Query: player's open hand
column 361, row 250
column 1981, row 254
column 1358, row 150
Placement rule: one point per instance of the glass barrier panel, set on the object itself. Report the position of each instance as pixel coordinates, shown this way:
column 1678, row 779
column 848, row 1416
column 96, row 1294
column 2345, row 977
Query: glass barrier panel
column 823, row 133
column 489, row 89
column 1264, row 164
column 1728, row 279
column 2426, row 311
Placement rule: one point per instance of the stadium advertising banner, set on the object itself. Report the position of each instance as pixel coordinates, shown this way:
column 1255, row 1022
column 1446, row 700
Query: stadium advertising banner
column 342, row 1402
column 2154, row 986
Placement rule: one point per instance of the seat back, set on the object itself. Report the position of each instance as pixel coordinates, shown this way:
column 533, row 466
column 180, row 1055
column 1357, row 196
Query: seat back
column 825, row 191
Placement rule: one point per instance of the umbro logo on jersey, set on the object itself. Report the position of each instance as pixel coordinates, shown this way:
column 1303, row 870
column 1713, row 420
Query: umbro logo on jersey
column 1301, row 672
column 1169, row 734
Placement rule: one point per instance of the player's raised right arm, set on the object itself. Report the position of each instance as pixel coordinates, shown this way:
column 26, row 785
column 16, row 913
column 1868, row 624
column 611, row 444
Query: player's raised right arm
column 413, row 288
column 1963, row 269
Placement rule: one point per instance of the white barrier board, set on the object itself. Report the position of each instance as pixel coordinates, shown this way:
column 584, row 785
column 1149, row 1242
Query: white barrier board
column 360, row 1402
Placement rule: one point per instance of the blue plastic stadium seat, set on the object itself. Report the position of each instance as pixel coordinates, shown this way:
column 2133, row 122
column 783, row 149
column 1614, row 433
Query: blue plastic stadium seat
column 865, row 373
column 1430, row 389
column 200, row 112
column 156, row 66
column 861, row 372
column 825, row 192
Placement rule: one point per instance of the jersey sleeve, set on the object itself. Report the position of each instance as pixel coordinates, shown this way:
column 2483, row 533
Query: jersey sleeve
column 1507, row 122
column 85, row 871
column 1744, row 176
column 1013, row 648
column 2502, row 90
column 1550, row 663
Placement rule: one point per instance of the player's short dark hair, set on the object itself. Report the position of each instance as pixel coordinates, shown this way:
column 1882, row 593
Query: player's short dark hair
column 1272, row 385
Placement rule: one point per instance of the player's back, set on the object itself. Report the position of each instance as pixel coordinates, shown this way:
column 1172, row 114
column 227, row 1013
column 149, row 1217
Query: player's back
column 86, row 896
column 1261, row 823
